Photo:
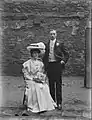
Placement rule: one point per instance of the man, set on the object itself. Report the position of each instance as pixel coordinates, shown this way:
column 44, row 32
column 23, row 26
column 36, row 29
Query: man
column 55, row 58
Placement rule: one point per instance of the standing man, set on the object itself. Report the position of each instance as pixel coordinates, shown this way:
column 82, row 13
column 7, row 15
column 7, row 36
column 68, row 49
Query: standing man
column 55, row 58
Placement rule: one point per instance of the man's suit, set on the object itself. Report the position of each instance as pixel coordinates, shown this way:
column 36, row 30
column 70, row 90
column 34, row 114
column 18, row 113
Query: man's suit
column 54, row 69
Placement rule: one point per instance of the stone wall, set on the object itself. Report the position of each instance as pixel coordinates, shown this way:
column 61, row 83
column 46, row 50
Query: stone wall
column 24, row 23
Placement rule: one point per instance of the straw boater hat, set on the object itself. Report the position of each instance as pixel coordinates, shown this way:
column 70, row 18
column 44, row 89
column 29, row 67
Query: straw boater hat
column 40, row 46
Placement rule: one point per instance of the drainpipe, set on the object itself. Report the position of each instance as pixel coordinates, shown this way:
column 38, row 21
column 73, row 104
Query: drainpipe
column 88, row 49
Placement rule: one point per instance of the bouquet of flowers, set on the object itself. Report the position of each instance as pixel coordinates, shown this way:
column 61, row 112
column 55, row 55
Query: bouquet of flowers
column 40, row 77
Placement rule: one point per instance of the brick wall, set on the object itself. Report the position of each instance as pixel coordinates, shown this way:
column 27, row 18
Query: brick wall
column 24, row 23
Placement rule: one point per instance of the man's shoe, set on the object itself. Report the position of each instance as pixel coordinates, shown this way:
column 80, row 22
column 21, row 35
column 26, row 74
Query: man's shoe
column 59, row 106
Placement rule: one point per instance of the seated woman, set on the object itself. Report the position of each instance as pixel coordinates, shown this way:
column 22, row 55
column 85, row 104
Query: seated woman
column 37, row 89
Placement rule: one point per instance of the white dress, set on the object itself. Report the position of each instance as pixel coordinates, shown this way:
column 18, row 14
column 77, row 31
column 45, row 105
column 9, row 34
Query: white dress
column 38, row 94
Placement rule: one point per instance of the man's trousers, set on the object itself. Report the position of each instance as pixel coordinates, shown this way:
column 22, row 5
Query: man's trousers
column 54, row 73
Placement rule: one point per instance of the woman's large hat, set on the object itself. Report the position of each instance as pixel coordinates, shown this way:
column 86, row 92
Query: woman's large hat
column 40, row 46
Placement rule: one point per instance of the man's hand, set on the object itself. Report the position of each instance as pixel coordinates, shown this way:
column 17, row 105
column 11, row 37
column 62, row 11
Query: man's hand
column 62, row 62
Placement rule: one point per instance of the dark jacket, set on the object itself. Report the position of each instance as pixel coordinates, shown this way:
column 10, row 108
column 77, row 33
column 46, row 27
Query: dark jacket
column 60, row 52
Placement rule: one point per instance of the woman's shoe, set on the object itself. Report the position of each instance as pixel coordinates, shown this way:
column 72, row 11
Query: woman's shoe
column 25, row 113
column 16, row 114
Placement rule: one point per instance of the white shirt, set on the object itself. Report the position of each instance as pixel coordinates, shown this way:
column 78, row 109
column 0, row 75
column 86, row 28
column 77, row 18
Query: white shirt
column 51, row 53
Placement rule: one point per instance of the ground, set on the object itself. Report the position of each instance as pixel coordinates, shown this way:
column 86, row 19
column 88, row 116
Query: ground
column 76, row 100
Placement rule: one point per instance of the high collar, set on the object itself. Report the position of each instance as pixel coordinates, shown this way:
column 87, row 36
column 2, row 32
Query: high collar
column 53, row 40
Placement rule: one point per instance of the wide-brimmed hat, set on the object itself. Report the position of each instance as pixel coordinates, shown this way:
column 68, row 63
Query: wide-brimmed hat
column 40, row 46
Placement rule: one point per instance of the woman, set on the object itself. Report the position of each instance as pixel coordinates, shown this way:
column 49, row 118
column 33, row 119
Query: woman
column 37, row 90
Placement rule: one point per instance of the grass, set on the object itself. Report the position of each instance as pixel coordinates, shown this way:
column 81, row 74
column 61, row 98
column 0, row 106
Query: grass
column 75, row 98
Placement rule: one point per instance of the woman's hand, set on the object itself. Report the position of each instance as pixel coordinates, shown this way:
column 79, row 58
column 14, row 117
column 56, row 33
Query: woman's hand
column 62, row 62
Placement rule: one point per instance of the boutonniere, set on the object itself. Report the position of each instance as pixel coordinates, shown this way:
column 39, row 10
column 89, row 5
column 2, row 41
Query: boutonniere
column 57, row 44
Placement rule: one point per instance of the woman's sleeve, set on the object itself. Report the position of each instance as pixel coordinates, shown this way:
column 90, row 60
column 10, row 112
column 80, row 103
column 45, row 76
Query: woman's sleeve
column 46, row 78
column 43, row 69
column 27, row 75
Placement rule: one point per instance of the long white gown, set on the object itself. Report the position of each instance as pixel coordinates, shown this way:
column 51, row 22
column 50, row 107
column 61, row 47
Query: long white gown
column 38, row 94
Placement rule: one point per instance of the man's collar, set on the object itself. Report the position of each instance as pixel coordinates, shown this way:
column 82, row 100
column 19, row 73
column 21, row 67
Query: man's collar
column 53, row 40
